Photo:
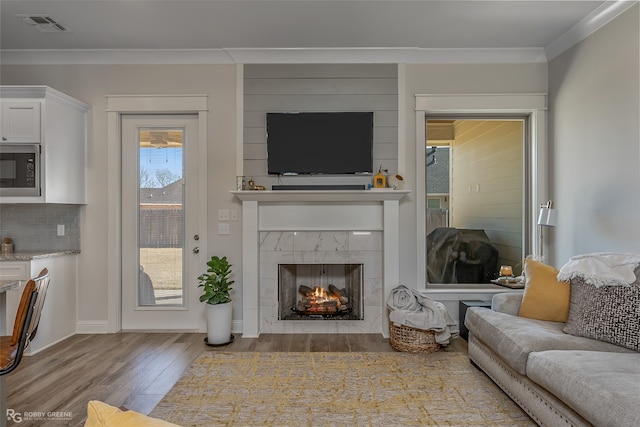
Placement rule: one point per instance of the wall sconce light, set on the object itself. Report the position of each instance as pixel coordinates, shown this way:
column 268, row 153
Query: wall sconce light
column 548, row 218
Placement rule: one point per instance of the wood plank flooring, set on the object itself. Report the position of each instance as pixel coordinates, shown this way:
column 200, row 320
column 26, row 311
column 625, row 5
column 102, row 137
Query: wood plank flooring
column 136, row 370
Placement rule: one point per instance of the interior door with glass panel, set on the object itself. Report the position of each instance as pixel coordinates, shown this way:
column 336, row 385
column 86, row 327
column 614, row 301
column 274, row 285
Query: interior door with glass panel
column 159, row 222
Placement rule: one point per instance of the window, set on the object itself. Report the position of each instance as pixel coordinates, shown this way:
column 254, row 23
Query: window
column 479, row 169
column 433, row 203
column 531, row 110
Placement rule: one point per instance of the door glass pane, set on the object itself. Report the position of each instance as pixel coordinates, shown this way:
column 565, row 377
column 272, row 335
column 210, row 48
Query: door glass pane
column 160, row 217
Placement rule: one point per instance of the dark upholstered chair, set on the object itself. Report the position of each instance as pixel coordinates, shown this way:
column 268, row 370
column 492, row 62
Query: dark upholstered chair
column 12, row 347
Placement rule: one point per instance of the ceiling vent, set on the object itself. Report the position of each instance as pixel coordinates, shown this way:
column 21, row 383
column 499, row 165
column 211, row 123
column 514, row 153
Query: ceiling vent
column 44, row 23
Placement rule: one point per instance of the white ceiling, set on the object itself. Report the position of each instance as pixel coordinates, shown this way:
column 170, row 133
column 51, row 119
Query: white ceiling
column 264, row 25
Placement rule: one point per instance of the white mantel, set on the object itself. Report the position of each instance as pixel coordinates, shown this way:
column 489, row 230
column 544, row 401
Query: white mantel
column 316, row 210
column 321, row 195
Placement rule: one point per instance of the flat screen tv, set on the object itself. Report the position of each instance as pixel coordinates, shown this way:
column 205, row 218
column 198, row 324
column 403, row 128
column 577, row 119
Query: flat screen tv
column 331, row 143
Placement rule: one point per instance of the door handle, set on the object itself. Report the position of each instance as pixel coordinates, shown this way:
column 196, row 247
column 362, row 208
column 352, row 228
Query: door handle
column 196, row 250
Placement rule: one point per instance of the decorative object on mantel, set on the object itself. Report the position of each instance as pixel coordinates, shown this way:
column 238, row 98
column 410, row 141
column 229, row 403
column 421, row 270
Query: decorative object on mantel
column 251, row 186
column 7, row 246
column 396, row 182
column 380, row 180
column 217, row 287
column 240, row 184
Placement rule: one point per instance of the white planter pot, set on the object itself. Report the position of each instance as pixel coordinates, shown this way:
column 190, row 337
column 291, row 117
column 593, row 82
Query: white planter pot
column 219, row 323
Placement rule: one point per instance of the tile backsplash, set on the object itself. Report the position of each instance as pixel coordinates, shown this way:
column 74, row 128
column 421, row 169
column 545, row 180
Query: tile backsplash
column 34, row 227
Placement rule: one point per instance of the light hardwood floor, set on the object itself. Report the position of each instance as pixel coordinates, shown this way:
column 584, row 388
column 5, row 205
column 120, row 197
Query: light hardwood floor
column 136, row 370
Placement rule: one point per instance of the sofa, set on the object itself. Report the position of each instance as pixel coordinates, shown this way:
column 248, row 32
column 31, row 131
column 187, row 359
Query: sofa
column 566, row 348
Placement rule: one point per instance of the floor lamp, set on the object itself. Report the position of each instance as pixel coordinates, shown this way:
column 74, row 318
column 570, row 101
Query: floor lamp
column 548, row 218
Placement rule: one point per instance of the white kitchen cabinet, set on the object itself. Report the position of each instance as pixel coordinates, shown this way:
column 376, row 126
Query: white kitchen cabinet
column 58, row 123
column 58, row 318
column 20, row 122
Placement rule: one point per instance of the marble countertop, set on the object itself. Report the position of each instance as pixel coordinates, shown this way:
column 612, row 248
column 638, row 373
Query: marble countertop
column 30, row 255
column 6, row 285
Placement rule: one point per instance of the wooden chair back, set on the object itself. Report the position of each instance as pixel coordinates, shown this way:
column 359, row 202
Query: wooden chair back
column 42, row 285
column 26, row 323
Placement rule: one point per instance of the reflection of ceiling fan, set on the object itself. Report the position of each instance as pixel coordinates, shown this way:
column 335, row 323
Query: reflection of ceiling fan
column 168, row 138
column 158, row 140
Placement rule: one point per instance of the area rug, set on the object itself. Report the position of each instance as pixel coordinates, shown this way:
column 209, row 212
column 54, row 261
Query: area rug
column 336, row 389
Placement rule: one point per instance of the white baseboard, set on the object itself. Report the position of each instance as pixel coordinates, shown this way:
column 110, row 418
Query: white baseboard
column 236, row 327
column 32, row 351
column 92, row 327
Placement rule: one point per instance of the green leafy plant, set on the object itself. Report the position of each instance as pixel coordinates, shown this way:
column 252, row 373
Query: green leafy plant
column 215, row 282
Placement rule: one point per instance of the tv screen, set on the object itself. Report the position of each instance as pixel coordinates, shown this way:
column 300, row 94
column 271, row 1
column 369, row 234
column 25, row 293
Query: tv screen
column 320, row 143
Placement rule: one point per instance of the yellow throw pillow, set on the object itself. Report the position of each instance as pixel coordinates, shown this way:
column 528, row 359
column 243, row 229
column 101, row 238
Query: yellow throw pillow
column 545, row 298
column 102, row 415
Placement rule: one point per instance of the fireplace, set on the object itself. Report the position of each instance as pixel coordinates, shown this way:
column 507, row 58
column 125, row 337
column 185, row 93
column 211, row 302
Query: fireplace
column 318, row 227
column 320, row 291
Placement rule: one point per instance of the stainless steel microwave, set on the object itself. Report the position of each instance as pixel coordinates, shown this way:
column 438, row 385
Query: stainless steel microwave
column 19, row 169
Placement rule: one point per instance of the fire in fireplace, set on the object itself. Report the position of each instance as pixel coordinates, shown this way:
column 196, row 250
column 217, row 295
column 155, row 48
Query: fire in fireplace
column 320, row 291
column 320, row 301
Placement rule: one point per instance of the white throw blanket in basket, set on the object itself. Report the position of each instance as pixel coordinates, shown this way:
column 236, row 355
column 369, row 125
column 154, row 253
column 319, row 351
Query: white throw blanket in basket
column 410, row 307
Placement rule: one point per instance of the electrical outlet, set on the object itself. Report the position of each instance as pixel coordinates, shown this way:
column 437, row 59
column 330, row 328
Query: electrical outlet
column 60, row 229
column 223, row 228
column 223, row 214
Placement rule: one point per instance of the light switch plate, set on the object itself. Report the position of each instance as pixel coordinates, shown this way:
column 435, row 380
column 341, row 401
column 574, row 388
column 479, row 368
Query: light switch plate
column 223, row 214
column 223, row 228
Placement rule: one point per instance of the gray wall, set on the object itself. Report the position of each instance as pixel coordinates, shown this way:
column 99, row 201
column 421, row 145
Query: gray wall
column 91, row 84
column 319, row 88
column 595, row 142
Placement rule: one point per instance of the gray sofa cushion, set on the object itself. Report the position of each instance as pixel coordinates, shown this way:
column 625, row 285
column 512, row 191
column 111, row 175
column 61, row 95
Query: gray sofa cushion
column 602, row 387
column 513, row 337
column 507, row 302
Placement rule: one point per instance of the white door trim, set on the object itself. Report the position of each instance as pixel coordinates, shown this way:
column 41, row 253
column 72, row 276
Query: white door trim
column 117, row 105
column 533, row 105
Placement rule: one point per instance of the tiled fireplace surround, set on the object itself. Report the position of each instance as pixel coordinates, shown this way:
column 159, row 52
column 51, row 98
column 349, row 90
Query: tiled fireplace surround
column 309, row 227
column 320, row 247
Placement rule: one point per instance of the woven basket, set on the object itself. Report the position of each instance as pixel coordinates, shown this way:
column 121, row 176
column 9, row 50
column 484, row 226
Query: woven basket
column 412, row 340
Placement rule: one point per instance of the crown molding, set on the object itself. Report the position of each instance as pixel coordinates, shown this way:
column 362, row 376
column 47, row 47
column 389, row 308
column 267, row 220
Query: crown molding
column 113, row 56
column 400, row 55
column 271, row 56
column 591, row 23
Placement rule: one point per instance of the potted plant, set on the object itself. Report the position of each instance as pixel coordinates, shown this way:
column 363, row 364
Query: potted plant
column 216, row 293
